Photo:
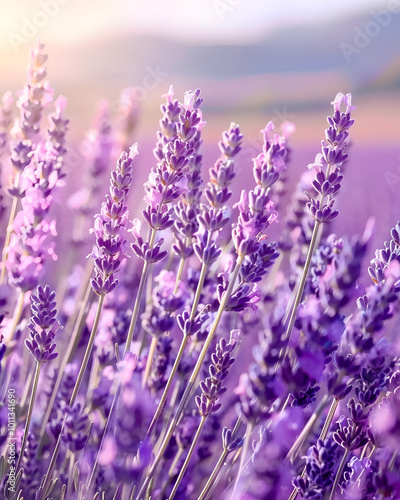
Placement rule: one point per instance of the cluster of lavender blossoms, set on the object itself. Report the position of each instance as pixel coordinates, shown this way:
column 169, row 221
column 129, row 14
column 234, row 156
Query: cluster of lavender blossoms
column 177, row 351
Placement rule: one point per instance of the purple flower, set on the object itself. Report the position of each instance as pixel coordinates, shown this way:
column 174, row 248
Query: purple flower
column 43, row 325
column 110, row 226
column 332, row 156
column 76, row 422
column 321, row 462
column 353, row 432
column 256, row 209
column 35, row 96
column 212, row 387
column 31, row 465
column 168, row 124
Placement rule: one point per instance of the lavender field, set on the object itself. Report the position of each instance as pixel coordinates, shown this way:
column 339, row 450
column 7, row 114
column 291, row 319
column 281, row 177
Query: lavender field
column 187, row 311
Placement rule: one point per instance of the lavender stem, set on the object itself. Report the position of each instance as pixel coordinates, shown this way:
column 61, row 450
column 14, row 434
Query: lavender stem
column 300, row 289
column 17, row 314
column 179, row 274
column 11, row 218
column 193, row 377
column 203, row 273
column 292, row 454
column 329, row 419
column 211, row 480
column 243, row 451
column 106, row 427
column 339, row 474
column 77, row 387
column 70, row 475
column 188, row 458
column 64, row 361
column 29, row 415
column 214, row 474
column 164, row 396
column 150, row 356
column 88, row 350
column 294, row 450
column 142, row 284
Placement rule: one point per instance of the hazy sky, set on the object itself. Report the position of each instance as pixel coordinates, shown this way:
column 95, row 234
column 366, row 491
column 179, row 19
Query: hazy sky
column 196, row 21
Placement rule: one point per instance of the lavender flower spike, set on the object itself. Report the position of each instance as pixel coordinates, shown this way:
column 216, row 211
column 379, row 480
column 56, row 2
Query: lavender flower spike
column 111, row 225
column 211, row 387
column 332, row 156
column 43, row 325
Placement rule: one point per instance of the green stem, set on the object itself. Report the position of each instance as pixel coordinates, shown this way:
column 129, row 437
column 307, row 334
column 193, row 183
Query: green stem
column 88, row 352
column 178, row 455
column 190, row 385
column 106, row 428
column 76, row 389
column 214, row 475
column 179, row 274
column 299, row 441
column 294, row 493
column 196, row 300
column 29, row 415
column 164, row 396
column 210, row 336
column 188, row 458
column 64, row 361
column 244, row 449
column 329, row 419
column 210, row 483
column 17, row 315
column 70, row 475
column 82, row 299
column 315, row 239
column 27, row 387
column 193, row 377
column 93, row 377
column 392, row 459
column 302, row 284
column 149, row 361
column 136, row 308
column 9, row 229
column 294, row 450
column 339, row 474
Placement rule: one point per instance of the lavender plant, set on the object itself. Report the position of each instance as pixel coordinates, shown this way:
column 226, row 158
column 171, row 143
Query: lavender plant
column 134, row 402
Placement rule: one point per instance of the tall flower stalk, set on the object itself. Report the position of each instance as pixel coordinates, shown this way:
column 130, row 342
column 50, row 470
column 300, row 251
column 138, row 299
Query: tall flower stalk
column 43, row 326
column 208, row 402
column 108, row 253
column 111, row 244
column 256, row 213
column 327, row 184
column 35, row 96
column 166, row 184
column 205, row 226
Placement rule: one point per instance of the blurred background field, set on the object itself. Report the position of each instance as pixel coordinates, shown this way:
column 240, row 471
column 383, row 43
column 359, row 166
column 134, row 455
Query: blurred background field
column 254, row 61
